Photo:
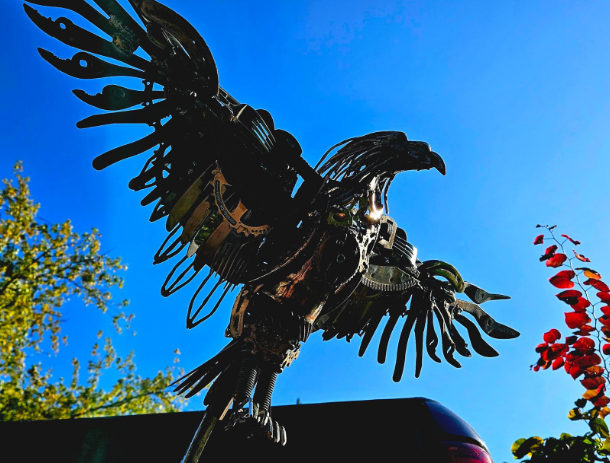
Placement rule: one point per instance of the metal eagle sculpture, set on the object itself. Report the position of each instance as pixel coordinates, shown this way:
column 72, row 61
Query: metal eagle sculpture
column 223, row 176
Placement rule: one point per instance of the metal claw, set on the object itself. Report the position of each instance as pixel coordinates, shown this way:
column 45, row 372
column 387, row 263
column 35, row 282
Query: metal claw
column 270, row 428
column 263, row 418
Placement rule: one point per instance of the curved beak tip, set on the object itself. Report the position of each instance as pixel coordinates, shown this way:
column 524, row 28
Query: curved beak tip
column 438, row 163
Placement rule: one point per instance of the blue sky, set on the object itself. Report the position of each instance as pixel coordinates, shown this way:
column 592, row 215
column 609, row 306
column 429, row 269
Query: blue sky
column 514, row 95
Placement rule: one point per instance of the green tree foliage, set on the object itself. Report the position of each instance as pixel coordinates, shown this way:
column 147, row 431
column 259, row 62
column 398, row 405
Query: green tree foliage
column 41, row 267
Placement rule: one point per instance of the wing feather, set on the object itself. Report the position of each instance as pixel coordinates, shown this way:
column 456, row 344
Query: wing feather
column 221, row 172
column 393, row 288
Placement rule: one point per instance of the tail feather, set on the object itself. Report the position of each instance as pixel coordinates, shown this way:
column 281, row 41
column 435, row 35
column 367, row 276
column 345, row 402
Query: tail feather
column 208, row 370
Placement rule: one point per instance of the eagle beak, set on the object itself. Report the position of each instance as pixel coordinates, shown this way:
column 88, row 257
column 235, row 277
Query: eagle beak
column 437, row 162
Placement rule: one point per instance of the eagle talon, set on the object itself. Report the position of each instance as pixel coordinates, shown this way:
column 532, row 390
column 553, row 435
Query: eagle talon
column 254, row 421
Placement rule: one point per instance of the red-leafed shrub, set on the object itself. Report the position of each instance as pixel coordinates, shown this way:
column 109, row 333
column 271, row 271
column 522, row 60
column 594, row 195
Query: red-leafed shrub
column 583, row 355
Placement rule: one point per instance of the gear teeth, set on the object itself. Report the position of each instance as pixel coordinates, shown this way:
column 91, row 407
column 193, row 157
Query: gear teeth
column 385, row 287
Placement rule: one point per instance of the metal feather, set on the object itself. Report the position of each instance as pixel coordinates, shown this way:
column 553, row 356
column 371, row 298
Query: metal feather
column 480, row 346
column 401, row 351
column 431, row 338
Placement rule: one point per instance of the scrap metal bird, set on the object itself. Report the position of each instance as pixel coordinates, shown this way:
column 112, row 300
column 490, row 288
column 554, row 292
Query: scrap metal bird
column 223, row 176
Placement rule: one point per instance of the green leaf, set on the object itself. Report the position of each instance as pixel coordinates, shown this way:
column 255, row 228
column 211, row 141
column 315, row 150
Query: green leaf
column 598, row 425
column 605, row 450
column 515, row 447
column 523, row 447
column 574, row 414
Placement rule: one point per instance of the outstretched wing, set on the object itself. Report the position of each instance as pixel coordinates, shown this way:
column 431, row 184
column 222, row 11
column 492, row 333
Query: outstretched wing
column 397, row 285
column 220, row 172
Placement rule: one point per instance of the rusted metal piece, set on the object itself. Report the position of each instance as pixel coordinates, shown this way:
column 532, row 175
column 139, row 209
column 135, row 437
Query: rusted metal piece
column 186, row 202
column 234, row 217
column 236, row 324
column 199, row 215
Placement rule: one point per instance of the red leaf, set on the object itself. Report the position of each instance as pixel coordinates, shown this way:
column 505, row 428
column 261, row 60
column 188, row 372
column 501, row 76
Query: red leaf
column 543, row 363
column 566, row 274
column 576, row 243
column 542, row 347
column 592, row 383
column 588, row 360
column 569, row 293
column 597, row 284
column 569, row 296
column 546, row 365
column 584, row 344
column 539, row 239
column 575, row 371
column 558, row 363
column 554, row 351
column 605, row 320
column 584, row 330
column 551, row 336
column 605, row 310
column 580, row 305
column 606, row 349
column 548, row 253
column 590, row 273
column 536, row 368
column 557, row 260
column 581, row 257
column 594, row 371
column 576, row 319
column 604, row 296
column 563, row 279
column 601, row 402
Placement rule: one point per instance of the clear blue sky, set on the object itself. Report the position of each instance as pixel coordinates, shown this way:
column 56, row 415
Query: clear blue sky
column 514, row 95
